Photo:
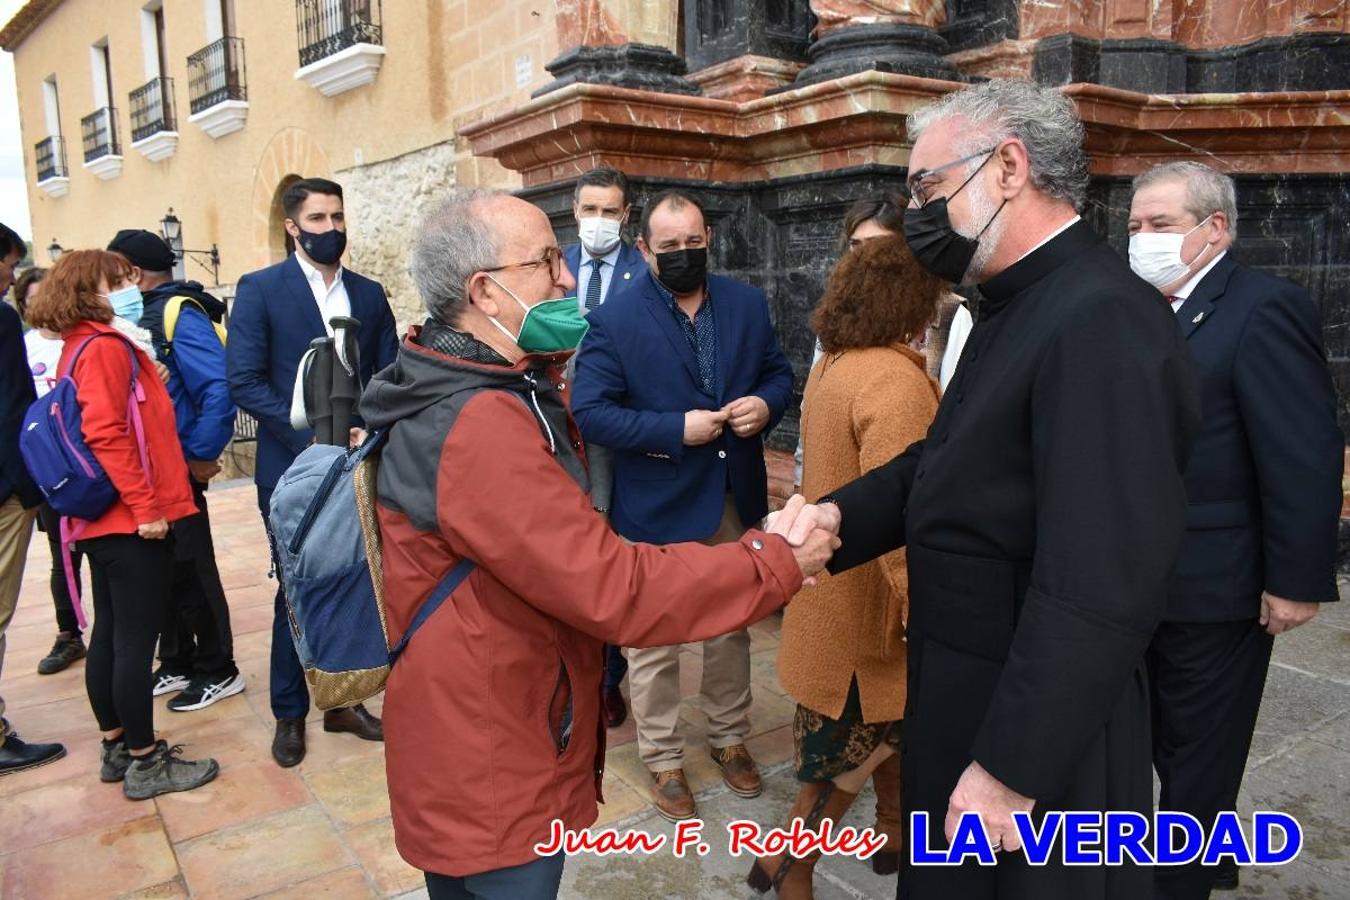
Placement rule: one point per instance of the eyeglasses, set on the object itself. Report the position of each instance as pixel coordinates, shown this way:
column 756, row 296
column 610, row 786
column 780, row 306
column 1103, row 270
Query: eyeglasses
column 552, row 258
column 916, row 187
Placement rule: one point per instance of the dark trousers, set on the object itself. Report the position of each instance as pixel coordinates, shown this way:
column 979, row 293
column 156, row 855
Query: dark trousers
column 196, row 637
column 616, row 666
column 1206, row 679
column 536, row 880
column 65, row 605
column 290, row 694
column 131, row 577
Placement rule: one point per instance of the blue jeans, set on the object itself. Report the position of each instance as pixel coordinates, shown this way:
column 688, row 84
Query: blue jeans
column 616, row 666
column 290, row 695
column 536, row 880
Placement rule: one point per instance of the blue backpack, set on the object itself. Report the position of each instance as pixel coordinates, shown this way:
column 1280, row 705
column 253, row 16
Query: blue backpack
column 327, row 541
column 52, row 443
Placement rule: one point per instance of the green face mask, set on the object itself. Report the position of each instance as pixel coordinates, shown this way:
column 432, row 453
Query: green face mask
column 549, row 326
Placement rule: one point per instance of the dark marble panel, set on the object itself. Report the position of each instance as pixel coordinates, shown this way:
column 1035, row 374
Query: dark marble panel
column 1150, row 66
column 977, row 23
column 639, row 66
column 903, row 49
column 718, row 30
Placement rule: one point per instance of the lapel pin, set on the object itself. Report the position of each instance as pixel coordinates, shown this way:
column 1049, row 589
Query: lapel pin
column 627, row 275
column 1198, row 317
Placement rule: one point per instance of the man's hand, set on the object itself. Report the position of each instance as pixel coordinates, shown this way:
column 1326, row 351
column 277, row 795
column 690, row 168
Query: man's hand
column 203, row 470
column 982, row 793
column 163, row 371
column 813, row 553
column 703, row 425
column 1279, row 615
column 154, row 531
column 356, row 437
column 797, row 519
column 747, row 416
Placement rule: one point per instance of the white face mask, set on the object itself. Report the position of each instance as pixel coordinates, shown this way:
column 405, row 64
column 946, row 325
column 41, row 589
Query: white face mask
column 598, row 234
column 1155, row 256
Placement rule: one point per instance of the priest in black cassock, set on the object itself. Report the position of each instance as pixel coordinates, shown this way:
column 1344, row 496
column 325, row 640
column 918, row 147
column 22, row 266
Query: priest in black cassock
column 1044, row 510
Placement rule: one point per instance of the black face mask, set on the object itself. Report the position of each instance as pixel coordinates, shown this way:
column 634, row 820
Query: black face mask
column 325, row 247
column 682, row 271
column 938, row 246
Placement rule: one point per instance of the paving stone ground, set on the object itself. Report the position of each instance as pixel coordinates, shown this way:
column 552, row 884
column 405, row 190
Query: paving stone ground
column 323, row 829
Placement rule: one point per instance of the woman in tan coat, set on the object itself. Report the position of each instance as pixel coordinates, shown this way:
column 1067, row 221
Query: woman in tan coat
column 842, row 650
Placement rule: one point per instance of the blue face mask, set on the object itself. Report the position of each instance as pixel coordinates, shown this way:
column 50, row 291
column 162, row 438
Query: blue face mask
column 127, row 303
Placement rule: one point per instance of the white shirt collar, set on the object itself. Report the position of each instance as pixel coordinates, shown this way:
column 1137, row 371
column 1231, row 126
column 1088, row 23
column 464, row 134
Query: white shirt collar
column 311, row 273
column 1051, row 236
column 612, row 257
column 1184, row 291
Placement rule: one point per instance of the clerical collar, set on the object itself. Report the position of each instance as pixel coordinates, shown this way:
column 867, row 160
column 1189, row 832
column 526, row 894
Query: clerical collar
column 1065, row 247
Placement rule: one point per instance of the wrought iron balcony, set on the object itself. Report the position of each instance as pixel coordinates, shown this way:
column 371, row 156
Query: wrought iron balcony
column 216, row 74
column 99, row 129
column 326, row 27
column 50, row 156
column 152, row 109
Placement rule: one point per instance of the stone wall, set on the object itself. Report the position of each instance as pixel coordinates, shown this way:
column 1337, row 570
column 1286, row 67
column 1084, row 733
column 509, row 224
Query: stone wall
column 384, row 203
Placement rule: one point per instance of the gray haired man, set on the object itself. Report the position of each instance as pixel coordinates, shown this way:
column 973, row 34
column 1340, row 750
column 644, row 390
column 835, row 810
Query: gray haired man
column 1043, row 512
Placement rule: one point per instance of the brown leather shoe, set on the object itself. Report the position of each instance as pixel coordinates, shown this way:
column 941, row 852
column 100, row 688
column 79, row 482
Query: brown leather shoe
column 739, row 771
column 356, row 720
column 616, row 710
column 670, row 795
column 288, row 746
column 886, row 781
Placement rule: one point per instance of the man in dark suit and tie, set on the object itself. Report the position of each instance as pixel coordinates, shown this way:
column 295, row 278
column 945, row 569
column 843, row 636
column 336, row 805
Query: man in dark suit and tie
column 680, row 375
column 1263, row 486
column 602, row 262
column 277, row 312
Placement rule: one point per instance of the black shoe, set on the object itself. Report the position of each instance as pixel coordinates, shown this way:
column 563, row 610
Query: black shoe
column 18, row 756
column 116, row 761
column 67, row 649
column 288, row 746
column 168, row 682
column 356, row 720
column 204, row 690
column 163, row 772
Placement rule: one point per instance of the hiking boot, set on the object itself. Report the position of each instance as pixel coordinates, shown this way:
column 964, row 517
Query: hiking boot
column 670, row 795
column 162, row 772
column 204, row 690
column 116, row 761
column 167, row 682
column 18, row 756
column 738, row 770
column 67, row 649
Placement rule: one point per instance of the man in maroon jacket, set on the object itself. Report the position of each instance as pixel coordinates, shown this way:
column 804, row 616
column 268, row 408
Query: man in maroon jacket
column 493, row 725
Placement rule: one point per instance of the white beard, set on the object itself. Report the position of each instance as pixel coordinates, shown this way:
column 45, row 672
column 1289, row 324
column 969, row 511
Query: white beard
column 983, row 212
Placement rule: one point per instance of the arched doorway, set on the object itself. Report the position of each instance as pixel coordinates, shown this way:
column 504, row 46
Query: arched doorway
column 279, row 243
column 289, row 155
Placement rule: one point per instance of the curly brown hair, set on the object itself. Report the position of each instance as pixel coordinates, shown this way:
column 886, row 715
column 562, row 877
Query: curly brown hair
column 29, row 278
column 70, row 292
column 877, row 295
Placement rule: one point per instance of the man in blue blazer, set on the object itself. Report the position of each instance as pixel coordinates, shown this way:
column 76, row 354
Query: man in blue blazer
column 680, row 375
column 1264, row 490
column 277, row 312
column 601, row 262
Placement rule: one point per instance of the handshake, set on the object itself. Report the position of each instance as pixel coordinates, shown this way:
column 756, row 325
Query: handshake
column 811, row 530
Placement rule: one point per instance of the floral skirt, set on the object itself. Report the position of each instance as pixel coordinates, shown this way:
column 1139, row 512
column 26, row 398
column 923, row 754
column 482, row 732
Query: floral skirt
column 825, row 748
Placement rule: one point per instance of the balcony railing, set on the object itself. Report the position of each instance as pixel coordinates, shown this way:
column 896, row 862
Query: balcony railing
column 216, row 74
column 100, row 134
column 152, row 109
column 326, row 27
column 51, row 158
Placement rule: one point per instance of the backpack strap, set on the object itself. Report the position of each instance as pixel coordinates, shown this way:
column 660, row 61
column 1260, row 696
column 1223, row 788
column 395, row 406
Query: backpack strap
column 439, row 595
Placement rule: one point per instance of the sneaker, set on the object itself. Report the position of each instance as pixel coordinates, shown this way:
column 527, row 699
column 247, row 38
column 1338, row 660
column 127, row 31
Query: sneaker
column 67, row 649
column 116, row 761
column 203, row 690
column 163, row 772
column 167, row 683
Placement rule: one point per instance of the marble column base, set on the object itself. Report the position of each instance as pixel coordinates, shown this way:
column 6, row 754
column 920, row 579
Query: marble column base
column 640, row 66
column 903, row 49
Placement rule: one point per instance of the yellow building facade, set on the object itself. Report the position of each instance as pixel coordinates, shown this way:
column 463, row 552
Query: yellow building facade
column 212, row 107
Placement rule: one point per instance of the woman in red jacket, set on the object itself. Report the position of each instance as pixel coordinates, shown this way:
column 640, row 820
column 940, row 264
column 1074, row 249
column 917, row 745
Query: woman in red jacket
column 129, row 546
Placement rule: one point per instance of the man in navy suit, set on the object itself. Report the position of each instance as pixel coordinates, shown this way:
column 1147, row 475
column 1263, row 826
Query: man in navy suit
column 601, row 262
column 277, row 312
column 1263, row 486
column 680, row 375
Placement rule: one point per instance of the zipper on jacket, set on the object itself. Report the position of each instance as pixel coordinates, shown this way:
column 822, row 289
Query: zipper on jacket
column 562, row 734
column 534, row 399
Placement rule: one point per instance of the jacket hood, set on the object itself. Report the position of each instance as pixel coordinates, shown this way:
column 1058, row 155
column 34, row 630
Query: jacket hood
column 215, row 308
column 421, row 377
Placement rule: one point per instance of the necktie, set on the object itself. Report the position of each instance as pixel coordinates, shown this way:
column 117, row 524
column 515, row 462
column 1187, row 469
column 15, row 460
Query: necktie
column 593, row 287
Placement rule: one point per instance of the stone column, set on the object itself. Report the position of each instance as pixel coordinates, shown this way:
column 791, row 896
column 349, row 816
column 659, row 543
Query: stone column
column 628, row 43
column 889, row 35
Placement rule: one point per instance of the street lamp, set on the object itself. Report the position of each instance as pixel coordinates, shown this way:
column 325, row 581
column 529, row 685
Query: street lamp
column 54, row 251
column 171, row 227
